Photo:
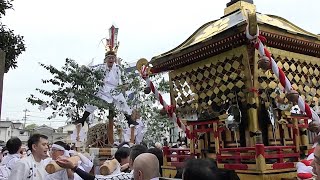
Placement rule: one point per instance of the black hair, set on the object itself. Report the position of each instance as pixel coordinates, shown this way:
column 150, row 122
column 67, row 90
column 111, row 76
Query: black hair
column 157, row 152
column 34, row 139
column 200, row 169
column 122, row 144
column 13, row 145
column 228, row 174
column 144, row 144
column 63, row 144
column 136, row 150
column 122, row 153
column 110, row 53
column 4, row 149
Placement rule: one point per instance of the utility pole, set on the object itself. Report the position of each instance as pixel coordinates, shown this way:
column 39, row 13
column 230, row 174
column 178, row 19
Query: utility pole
column 25, row 117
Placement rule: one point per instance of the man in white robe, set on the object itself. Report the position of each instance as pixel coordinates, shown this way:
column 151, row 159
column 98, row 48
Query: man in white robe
column 109, row 92
column 8, row 162
column 31, row 167
column 59, row 149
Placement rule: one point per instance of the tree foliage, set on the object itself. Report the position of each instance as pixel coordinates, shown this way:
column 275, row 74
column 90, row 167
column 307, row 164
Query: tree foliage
column 10, row 43
column 158, row 124
column 74, row 87
column 31, row 126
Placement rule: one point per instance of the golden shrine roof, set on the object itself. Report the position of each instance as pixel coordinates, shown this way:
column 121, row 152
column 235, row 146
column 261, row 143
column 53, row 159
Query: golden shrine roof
column 230, row 27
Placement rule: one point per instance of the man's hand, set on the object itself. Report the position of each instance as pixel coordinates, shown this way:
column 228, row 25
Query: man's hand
column 65, row 163
column 125, row 166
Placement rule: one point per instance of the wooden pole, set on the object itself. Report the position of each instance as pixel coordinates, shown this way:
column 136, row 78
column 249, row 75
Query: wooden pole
column 110, row 130
column 252, row 98
column 53, row 167
column 304, row 138
column 216, row 138
column 296, row 134
column 192, row 141
column 132, row 137
column 109, row 167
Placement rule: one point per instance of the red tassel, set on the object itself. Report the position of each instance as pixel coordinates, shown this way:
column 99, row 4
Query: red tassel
column 304, row 175
column 306, row 162
column 262, row 38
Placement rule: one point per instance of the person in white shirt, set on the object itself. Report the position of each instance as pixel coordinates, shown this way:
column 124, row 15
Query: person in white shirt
column 31, row 167
column 14, row 149
column 139, row 131
column 122, row 156
column 58, row 150
column 136, row 150
column 112, row 82
column 146, row 166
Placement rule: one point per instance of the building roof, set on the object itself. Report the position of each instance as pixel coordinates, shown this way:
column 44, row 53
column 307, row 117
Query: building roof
column 44, row 128
column 17, row 125
column 5, row 124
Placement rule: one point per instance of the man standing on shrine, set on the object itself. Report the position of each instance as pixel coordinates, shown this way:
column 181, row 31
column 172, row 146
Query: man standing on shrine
column 111, row 91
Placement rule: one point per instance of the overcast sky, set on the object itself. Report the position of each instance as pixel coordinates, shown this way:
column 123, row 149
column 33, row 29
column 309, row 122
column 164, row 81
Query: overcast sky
column 55, row 30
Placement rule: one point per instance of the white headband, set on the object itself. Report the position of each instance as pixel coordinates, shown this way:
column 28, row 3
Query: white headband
column 126, row 145
column 58, row 147
column 66, row 152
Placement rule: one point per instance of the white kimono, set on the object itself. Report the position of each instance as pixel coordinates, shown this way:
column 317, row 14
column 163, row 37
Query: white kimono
column 107, row 92
column 139, row 132
column 28, row 169
column 7, row 164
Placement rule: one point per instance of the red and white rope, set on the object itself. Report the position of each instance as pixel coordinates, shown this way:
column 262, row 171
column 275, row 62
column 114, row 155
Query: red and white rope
column 168, row 108
column 263, row 51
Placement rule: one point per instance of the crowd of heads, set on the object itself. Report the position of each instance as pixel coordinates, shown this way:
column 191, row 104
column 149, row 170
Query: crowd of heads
column 145, row 162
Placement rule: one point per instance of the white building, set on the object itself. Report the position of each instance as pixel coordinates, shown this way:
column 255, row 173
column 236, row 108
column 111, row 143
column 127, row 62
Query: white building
column 68, row 129
column 10, row 129
column 5, row 131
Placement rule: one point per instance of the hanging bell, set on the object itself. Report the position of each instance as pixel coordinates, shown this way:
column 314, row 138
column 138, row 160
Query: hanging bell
column 147, row 90
column 293, row 96
column 264, row 63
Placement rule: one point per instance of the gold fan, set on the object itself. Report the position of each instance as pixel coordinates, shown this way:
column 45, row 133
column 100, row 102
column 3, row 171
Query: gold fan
column 141, row 62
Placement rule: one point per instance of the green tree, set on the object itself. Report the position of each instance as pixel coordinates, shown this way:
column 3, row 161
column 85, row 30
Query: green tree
column 10, row 43
column 74, row 87
column 31, row 127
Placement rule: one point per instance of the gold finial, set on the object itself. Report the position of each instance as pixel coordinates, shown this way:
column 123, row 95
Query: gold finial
column 235, row 5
